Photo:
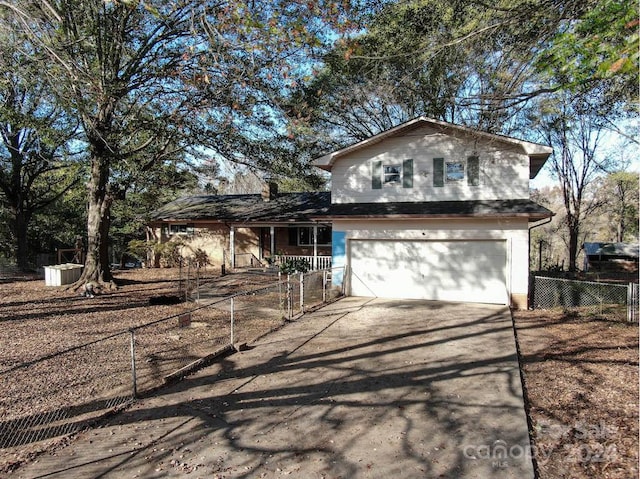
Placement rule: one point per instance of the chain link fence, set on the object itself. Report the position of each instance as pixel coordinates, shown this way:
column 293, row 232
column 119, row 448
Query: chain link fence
column 60, row 394
column 557, row 292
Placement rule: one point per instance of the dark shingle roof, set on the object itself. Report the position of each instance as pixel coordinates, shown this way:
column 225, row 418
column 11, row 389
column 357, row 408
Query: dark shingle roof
column 486, row 208
column 284, row 207
column 618, row 250
column 289, row 207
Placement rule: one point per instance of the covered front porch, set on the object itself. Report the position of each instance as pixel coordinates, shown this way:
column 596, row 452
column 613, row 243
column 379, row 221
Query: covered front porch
column 273, row 244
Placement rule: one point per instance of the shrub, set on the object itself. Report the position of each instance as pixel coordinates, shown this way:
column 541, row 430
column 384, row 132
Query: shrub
column 297, row 265
column 169, row 253
column 201, row 258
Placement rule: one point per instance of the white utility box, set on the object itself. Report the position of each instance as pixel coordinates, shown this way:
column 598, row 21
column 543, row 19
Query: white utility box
column 60, row 274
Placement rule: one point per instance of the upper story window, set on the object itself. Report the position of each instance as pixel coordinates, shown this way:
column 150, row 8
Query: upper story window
column 456, row 171
column 392, row 174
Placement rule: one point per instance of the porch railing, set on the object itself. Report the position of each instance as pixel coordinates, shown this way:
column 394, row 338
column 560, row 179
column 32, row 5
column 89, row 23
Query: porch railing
column 249, row 260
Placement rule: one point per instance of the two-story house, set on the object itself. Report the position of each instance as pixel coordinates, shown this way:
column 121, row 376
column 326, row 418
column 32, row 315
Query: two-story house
column 425, row 210
column 432, row 210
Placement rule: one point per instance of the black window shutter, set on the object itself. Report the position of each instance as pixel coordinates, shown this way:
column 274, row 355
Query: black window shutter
column 293, row 236
column 438, row 172
column 407, row 174
column 376, row 175
column 473, row 171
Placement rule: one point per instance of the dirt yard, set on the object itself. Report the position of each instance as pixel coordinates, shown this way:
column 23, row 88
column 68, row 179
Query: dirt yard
column 44, row 393
column 581, row 372
column 41, row 320
column 581, row 380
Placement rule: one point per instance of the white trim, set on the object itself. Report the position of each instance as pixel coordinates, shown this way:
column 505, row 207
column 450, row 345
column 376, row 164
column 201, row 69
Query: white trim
column 315, row 247
column 272, row 240
column 232, row 246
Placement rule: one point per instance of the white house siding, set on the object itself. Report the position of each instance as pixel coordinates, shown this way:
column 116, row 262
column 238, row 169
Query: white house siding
column 512, row 232
column 504, row 169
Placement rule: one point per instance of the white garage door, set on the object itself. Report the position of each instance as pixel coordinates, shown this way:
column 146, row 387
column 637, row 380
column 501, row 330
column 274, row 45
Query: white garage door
column 470, row 271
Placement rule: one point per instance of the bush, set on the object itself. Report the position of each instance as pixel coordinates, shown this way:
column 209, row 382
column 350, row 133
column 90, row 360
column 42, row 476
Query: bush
column 201, row 258
column 169, row 253
column 291, row 266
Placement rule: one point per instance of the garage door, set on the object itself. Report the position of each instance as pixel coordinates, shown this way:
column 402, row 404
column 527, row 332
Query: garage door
column 470, row 271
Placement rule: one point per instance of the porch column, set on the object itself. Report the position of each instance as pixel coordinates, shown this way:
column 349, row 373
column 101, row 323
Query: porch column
column 315, row 247
column 272, row 237
column 232, row 246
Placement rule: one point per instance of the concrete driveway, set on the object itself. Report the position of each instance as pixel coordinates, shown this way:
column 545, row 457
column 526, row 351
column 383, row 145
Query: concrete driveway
column 363, row 388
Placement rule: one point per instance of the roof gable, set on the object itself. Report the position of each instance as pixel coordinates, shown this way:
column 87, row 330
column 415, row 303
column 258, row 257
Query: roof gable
column 537, row 153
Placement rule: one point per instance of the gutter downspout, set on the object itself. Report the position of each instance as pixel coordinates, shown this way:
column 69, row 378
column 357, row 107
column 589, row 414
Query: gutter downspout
column 546, row 221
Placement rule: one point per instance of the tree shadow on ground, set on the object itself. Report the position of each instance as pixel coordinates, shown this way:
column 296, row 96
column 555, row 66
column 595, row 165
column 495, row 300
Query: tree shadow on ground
column 321, row 398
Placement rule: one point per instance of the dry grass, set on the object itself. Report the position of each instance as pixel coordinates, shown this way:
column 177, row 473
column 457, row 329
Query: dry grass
column 581, row 378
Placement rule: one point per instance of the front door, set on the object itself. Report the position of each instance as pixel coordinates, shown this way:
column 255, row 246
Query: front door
column 265, row 242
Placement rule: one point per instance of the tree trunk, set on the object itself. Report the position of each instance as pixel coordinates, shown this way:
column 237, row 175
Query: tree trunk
column 96, row 267
column 574, row 232
column 21, row 226
column 105, row 225
column 621, row 229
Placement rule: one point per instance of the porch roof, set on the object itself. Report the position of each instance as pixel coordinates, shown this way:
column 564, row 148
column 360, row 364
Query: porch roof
column 439, row 209
column 285, row 207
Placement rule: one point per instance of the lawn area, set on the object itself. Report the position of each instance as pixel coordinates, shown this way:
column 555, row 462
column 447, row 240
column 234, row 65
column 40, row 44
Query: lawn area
column 581, row 383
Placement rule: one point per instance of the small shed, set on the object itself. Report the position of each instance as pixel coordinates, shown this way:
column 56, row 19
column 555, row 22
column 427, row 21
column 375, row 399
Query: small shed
column 618, row 257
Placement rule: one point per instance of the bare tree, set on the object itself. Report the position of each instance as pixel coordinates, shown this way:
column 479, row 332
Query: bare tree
column 619, row 195
column 574, row 129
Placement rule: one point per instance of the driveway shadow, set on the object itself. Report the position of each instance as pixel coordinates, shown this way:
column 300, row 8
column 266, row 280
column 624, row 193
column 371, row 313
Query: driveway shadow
column 357, row 389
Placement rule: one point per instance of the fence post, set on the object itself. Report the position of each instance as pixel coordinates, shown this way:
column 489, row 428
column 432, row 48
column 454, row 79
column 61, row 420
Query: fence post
column 632, row 302
column 187, row 284
column 635, row 290
column 198, row 284
column 232, row 321
column 345, row 278
column 132, row 334
column 289, row 298
column 302, row 293
column 280, row 300
column 324, row 285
